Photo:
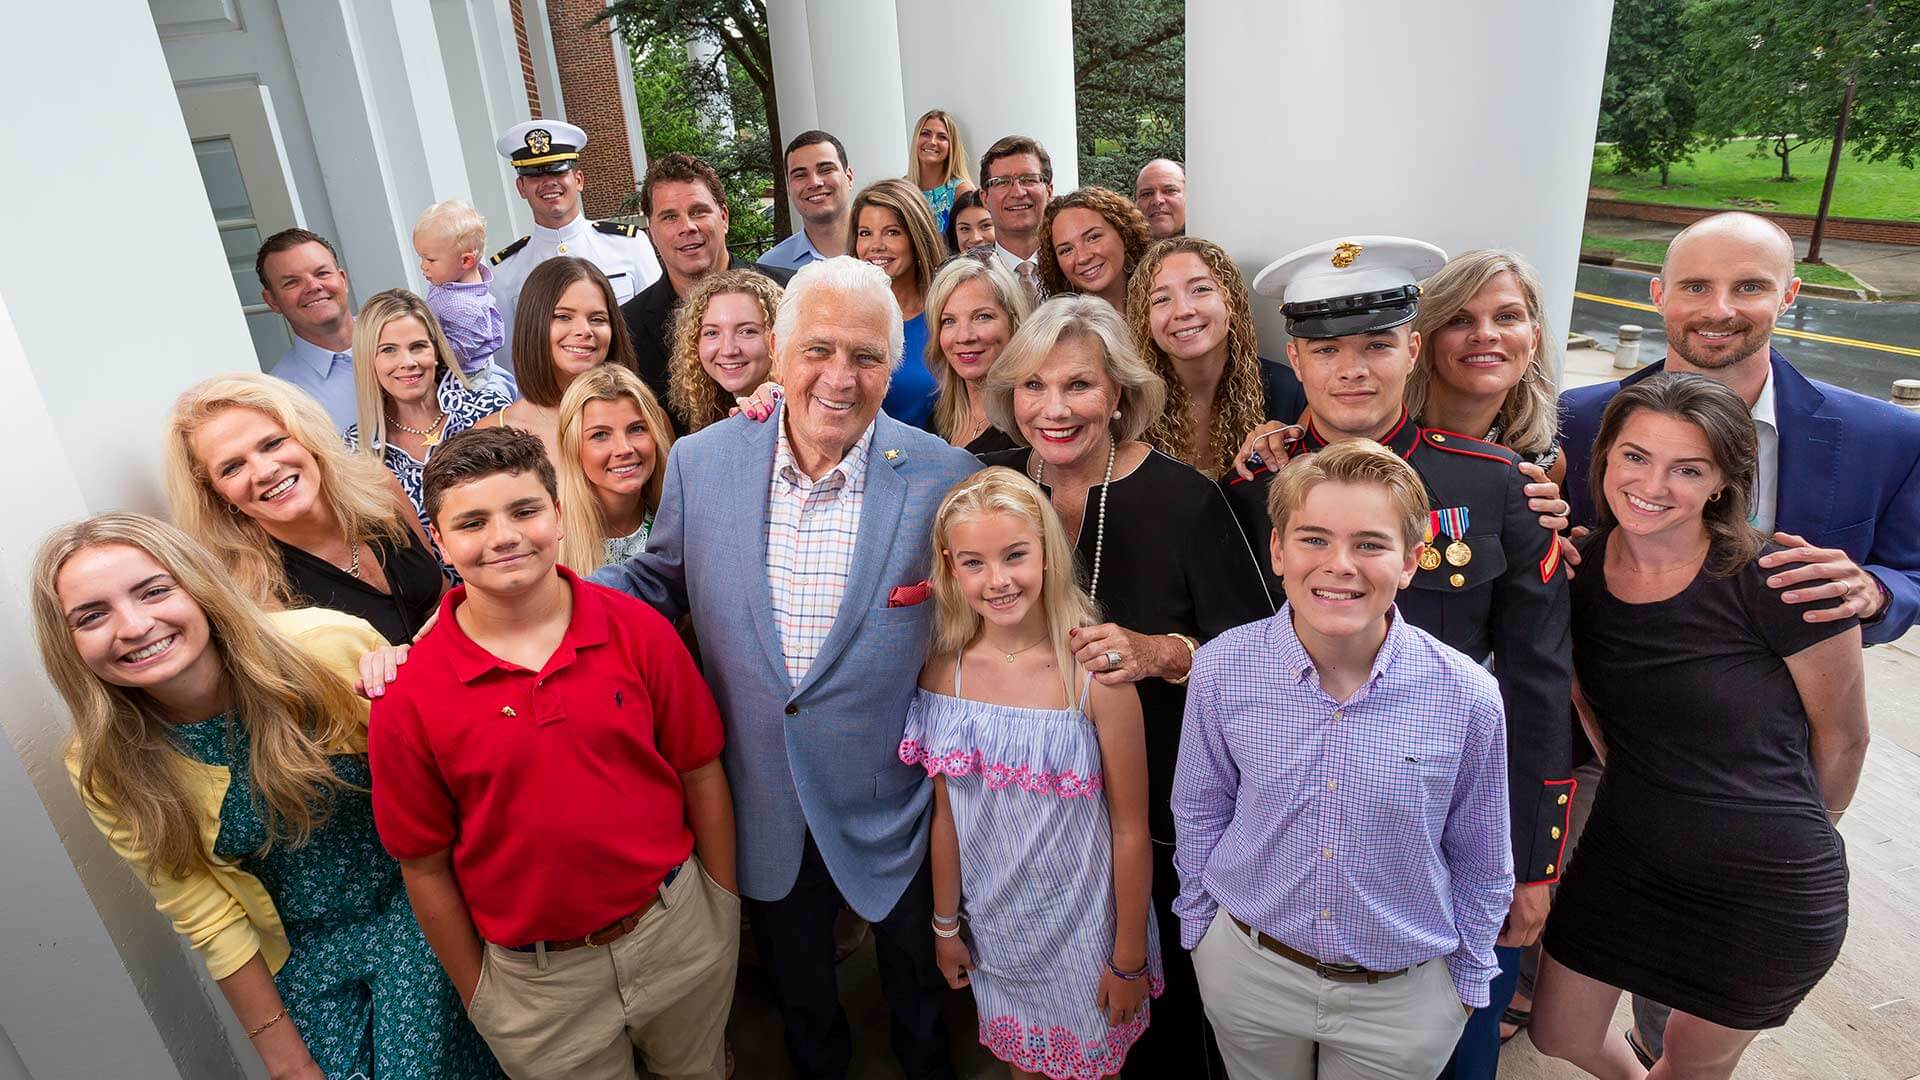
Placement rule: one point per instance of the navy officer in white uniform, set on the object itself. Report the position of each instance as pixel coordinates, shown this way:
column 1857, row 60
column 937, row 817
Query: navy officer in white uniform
column 546, row 154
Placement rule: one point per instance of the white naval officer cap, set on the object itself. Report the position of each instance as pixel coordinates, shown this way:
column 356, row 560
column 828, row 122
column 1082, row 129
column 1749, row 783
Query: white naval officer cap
column 1352, row 285
column 541, row 146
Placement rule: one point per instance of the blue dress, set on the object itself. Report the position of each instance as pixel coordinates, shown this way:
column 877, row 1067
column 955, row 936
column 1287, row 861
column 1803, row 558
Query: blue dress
column 940, row 201
column 366, row 992
column 1036, row 877
column 912, row 393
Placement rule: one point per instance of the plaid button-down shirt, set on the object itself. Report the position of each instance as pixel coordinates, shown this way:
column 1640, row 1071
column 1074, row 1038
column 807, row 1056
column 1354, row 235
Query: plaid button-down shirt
column 1371, row 830
column 812, row 526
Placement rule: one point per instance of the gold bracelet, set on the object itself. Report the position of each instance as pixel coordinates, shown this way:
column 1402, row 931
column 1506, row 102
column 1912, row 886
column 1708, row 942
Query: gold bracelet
column 276, row 1018
column 1192, row 647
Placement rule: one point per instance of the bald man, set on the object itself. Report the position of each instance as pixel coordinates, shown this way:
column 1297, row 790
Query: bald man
column 1838, row 481
column 1160, row 191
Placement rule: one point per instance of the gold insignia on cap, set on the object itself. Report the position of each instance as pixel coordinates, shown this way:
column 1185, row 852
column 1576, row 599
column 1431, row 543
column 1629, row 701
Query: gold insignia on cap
column 1344, row 253
column 539, row 140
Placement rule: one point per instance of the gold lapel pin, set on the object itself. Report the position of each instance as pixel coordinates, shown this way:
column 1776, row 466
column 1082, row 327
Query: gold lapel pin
column 507, row 710
column 890, row 454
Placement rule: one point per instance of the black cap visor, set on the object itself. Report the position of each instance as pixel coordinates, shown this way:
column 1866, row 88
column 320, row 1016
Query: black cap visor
column 1365, row 313
column 549, row 168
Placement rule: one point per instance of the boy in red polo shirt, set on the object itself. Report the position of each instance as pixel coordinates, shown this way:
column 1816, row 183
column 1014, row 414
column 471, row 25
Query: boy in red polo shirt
column 545, row 769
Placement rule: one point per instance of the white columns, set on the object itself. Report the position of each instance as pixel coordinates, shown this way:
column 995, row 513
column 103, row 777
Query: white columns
column 855, row 52
column 488, row 96
column 1021, row 85
column 1466, row 125
column 96, row 983
column 787, row 38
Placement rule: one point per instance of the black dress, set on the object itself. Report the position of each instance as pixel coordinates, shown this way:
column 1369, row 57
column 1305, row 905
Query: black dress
column 1709, row 878
column 413, row 575
column 1174, row 561
column 990, row 441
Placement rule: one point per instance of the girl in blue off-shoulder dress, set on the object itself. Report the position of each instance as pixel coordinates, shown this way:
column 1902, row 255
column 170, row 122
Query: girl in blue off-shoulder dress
column 1041, row 865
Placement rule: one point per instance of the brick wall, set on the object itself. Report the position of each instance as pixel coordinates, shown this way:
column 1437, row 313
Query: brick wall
column 590, row 82
column 526, row 57
column 1838, row 228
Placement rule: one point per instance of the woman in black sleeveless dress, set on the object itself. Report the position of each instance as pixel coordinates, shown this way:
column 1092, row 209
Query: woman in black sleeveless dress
column 1710, row 876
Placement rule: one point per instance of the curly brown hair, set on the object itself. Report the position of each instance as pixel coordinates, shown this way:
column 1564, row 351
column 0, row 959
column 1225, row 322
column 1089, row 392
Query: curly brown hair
column 691, row 393
column 1119, row 212
column 1239, row 402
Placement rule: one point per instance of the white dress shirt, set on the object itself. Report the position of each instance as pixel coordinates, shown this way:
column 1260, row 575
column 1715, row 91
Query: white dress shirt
column 628, row 261
column 1766, row 473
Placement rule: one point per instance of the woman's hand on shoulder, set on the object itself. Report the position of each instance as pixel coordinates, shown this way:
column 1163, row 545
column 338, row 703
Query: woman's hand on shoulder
column 380, row 668
column 1115, row 654
column 760, row 404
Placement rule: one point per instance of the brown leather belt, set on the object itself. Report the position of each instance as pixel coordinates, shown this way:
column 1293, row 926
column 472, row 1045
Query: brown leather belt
column 608, row 934
column 1352, row 973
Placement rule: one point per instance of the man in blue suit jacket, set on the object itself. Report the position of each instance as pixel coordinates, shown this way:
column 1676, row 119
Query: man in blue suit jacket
column 801, row 549
column 1839, row 476
column 1839, row 473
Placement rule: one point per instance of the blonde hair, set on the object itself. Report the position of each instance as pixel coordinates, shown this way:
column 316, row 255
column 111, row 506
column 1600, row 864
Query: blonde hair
column 456, row 220
column 1239, row 399
column 356, row 487
column 695, row 398
column 956, row 150
column 953, row 409
column 1073, row 317
column 584, row 548
column 1121, row 215
column 370, row 399
column 1352, row 461
column 294, row 709
column 1000, row 490
column 906, row 203
column 1530, row 417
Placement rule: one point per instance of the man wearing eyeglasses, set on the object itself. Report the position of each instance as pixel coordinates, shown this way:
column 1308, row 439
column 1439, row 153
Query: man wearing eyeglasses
column 1017, row 176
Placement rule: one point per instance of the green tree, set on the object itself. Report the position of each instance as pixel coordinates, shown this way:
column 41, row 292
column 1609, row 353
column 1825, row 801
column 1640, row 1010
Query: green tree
column 1779, row 69
column 1646, row 103
column 739, row 27
column 671, row 92
column 1130, row 78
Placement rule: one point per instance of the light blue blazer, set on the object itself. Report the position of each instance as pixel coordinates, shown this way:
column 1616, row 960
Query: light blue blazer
column 822, row 755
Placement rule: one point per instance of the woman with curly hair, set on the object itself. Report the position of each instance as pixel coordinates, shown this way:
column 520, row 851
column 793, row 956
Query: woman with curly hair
column 1090, row 241
column 722, row 346
column 1487, row 359
column 1188, row 307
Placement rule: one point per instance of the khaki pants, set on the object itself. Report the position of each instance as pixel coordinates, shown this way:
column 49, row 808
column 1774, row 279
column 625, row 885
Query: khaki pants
column 1277, row 1020
column 665, row 989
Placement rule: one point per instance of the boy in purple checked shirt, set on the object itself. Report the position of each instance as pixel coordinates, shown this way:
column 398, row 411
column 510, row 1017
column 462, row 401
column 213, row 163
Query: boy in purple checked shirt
column 1340, row 802
column 449, row 238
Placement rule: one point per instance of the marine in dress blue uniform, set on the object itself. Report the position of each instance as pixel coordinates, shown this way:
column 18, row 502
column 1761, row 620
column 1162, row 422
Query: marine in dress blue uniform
column 624, row 253
column 1490, row 582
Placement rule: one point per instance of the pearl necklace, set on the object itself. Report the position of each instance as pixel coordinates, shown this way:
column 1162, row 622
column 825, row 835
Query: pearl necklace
column 1037, row 468
column 427, row 434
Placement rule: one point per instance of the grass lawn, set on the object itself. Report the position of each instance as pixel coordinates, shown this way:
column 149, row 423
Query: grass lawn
column 1652, row 251
column 1731, row 178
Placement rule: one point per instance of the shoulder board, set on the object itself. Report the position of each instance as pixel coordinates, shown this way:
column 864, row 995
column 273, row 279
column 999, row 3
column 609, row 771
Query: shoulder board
column 615, row 228
column 509, row 251
column 1453, row 442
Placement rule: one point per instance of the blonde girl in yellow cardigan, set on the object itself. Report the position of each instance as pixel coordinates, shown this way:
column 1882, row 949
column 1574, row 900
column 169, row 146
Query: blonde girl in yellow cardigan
column 222, row 752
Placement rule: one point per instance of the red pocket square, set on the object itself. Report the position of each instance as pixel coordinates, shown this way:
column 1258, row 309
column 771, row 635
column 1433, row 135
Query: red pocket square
column 909, row 595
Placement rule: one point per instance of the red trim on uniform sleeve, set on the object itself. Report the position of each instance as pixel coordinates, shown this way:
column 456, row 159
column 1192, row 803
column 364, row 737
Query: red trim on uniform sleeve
column 1550, row 561
column 1566, row 827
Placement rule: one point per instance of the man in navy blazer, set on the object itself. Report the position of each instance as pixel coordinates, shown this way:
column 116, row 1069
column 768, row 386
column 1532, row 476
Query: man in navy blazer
column 801, row 548
column 1839, row 475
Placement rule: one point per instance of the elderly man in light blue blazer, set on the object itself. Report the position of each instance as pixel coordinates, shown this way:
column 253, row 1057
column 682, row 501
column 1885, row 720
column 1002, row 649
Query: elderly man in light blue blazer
column 801, row 548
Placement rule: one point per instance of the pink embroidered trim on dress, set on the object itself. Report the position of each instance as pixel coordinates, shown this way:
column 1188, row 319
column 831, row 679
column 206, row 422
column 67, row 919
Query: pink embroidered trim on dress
column 1059, row 1053
column 1067, row 784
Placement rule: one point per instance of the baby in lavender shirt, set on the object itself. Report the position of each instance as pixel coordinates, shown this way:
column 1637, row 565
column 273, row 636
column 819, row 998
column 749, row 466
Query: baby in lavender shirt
column 449, row 238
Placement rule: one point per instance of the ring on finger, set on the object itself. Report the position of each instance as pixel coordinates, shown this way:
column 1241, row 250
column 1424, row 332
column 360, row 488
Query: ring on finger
column 1113, row 660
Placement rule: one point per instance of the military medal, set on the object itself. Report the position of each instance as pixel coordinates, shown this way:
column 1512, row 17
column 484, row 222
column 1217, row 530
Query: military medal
column 1430, row 555
column 1453, row 522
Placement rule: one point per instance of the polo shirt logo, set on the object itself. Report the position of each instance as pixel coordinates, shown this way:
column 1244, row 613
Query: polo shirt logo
column 617, row 699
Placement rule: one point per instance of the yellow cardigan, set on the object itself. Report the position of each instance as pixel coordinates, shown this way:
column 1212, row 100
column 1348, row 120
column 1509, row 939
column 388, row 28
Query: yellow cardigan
column 224, row 912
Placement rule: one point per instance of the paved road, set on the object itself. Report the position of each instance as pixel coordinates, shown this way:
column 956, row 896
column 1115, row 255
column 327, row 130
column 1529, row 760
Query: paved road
column 1870, row 371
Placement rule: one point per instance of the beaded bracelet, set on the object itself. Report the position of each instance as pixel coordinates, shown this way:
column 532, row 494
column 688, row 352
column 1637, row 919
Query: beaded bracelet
column 1129, row 976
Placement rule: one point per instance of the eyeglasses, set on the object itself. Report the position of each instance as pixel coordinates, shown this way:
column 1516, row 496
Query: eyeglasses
column 1025, row 180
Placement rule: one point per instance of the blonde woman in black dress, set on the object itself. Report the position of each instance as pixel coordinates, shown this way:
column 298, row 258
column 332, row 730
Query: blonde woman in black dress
column 1710, row 877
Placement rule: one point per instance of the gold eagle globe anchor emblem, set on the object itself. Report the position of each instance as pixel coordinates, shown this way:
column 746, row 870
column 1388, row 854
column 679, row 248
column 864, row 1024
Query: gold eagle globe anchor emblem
column 1344, row 254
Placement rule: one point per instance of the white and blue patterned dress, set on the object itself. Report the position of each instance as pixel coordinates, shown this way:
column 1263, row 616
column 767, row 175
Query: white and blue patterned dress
column 464, row 407
column 1036, row 876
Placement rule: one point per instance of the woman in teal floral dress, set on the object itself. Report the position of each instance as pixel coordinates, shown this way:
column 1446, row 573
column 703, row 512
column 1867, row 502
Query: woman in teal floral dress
column 222, row 752
column 937, row 164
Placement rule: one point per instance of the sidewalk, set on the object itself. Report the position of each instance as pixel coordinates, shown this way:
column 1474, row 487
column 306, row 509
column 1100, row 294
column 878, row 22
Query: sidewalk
column 1891, row 268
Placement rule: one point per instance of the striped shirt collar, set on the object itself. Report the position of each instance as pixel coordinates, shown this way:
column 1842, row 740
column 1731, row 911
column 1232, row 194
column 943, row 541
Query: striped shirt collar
column 852, row 469
column 1296, row 663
